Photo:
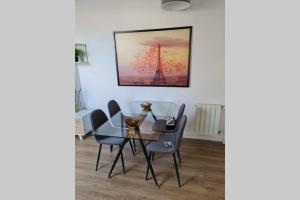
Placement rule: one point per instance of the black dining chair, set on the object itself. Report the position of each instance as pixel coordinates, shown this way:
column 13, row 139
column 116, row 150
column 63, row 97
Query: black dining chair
column 114, row 108
column 169, row 144
column 98, row 118
column 160, row 125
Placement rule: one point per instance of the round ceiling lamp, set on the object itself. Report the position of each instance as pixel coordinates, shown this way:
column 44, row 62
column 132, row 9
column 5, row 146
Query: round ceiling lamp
column 175, row 5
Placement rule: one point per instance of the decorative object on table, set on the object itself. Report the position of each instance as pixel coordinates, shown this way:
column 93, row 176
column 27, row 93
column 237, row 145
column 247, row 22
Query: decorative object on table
column 146, row 105
column 153, row 57
column 175, row 5
column 81, row 53
column 133, row 126
column 77, row 100
column 132, row 122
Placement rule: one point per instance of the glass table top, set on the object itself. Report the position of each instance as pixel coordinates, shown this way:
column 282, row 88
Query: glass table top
column 160, row 109
column 117, row 126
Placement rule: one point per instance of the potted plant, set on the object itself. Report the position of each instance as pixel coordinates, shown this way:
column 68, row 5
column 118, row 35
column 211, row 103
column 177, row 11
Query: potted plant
column 79, row 55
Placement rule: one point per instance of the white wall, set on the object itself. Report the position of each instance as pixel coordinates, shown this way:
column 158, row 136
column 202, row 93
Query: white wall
column 97, row 19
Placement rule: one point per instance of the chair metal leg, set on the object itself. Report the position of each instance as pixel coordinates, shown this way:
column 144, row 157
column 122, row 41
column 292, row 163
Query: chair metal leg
column 99, row 151
column 122, row 162
column 148, row 161
column 133, row 140
column 150, row 153
column 131, row 147
column 175, row 163
column 111, row 148
column 116, row 159
column 178, row 156
column 152, row 156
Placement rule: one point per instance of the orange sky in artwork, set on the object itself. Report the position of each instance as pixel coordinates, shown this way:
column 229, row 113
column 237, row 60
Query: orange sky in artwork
column 137, row 52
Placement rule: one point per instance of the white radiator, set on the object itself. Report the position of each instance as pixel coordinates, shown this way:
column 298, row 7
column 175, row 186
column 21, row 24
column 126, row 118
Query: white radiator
column 207, row 119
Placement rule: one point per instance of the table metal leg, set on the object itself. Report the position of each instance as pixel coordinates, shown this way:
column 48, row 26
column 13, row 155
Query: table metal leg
column 148, row 162
column 117, row 157
column 154, row 117
column 131, row 147
column 150, row 153
column 123, row 162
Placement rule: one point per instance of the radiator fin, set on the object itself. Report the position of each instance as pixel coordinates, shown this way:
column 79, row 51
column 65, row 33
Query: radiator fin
column 207, row 118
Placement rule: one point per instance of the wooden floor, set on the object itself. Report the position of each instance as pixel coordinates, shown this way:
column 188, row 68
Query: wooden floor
column 202, row 173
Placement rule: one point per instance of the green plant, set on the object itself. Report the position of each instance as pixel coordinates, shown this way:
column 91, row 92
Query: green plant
column 79, row 54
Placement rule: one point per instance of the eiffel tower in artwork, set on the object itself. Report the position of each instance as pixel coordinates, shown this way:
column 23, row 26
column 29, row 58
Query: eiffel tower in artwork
column 159, row 78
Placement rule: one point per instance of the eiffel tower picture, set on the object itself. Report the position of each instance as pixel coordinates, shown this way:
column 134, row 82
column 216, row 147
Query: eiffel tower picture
column 153, row 57
column 159, row 78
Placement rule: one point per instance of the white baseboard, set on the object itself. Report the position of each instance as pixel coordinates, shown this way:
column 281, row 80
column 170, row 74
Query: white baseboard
column 194, row 135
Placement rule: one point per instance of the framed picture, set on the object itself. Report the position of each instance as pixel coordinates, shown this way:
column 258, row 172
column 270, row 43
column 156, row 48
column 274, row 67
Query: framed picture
column 83, row 53
column 153, row 57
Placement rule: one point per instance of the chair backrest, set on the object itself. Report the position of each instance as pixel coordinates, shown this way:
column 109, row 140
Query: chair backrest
column 113, row 107
column 180, row 111
column 180, row 130
column 179, row 115
column 98, row 117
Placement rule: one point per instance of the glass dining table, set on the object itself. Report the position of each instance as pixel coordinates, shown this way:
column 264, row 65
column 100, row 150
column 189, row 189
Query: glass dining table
column 117, row 126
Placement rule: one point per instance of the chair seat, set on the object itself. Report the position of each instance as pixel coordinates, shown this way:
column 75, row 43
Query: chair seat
column 109, row 140
column 159, row 146
column 164, row 137
column 167, row 137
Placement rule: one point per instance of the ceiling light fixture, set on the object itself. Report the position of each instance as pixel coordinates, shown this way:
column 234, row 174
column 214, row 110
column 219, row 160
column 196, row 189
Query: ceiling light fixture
column 175, row 5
